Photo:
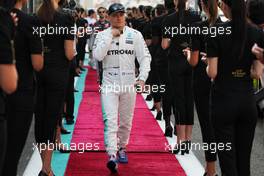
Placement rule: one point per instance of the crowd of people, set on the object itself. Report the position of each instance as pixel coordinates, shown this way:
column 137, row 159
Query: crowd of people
column 210, row 74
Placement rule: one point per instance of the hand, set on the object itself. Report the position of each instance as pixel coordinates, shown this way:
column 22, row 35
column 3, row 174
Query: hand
column 204, row 58
column 140, row 86
column 257, row 51
column 14, row 17
column 187, row 53
column 116, row 32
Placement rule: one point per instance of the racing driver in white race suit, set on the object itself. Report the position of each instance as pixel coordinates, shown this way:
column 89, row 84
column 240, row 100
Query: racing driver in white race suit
column 118, row 47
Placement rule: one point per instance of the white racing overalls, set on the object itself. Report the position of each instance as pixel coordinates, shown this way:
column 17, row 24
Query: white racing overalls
column 118, row 95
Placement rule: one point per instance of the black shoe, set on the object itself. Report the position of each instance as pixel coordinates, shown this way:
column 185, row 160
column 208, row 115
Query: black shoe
column 153, row 108
column 205, row 174
column 112, row 166
column 64, row 131
column 42, row 173
column 76, row 90
column 175, row 131
column 179, row 148
column 168, row 131
column 159, row 115
column 69, row 121
column 149, row 98
column 64, row 151
column 189, row 144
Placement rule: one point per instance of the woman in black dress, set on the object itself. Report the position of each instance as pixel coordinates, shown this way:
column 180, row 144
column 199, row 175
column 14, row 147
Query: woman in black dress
column 8, row 74
column 52, row 80
column 20, row 105
column 202, row 83
column 180, row 71
column 232, row 65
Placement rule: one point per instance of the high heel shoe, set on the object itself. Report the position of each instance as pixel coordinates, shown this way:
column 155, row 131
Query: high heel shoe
column 175, row 131
column 42, row 173
column 153, row 108
column 205, row 174
column 179, row 148
column 188, row 146
column 159, row 115
column 168, row 131
column 64, row 131
column 149, row 98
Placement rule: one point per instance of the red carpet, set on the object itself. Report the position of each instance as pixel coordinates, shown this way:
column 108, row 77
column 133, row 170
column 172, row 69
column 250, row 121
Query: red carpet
column 147, row 155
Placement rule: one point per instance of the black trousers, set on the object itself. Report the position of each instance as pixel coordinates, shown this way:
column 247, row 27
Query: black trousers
column 19, row 118
column 202, row 92
column 180, row 77
column 3, row 141
column 80, row 50
column 69, row 98
column 234, row 116
column 52, row 84
column 167, row 95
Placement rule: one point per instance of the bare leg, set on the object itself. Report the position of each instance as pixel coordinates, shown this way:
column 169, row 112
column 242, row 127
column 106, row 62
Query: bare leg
column 188, row 132
column 181, row 137
column 210, row 168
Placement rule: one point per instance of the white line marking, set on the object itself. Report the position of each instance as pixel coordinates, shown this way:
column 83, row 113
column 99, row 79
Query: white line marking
column 189, row 163
column 34, row 165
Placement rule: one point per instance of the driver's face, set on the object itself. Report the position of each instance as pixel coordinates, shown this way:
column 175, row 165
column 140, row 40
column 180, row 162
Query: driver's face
column 117, row 19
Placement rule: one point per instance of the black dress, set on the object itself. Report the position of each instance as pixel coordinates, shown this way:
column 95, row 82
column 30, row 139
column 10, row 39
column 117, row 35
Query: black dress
column 52, row 80
column 234, row 112
column 82, row 24
column 180, row 72
column 6, row 57
column 202, row 89
column 20, row 104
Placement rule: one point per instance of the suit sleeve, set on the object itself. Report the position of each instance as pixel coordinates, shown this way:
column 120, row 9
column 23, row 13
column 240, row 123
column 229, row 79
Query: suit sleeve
column 101, row 45
column 143, row 57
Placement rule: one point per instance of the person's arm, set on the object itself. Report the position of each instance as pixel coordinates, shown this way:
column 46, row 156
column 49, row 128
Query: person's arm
column 212, row 67
column 194, row 58
column 8, row 78
column 36, row 47
column 258, row 52
column 69, row 39
column 195, row 45
column 143, row 57
column 165, row 44
column 37, row 62
column 257, row 69
column 101, row 45
column 69, row 49
column 166, row 35
column 212, row 51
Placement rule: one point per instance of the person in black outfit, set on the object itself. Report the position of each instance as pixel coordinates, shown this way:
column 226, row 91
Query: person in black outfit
column 8, row 74
column 180, row 72
column 153, row 79
column 100, row 26
column 231, row 65
column 52, row 80
column 20, row 105
column 202, row 83
column 82, row 24
column 161, row 62
column 140, row 21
